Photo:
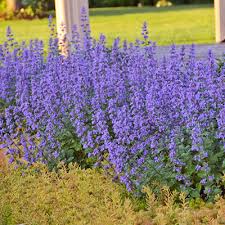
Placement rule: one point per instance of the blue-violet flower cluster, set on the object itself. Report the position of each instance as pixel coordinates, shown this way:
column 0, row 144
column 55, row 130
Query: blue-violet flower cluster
column 146, row 119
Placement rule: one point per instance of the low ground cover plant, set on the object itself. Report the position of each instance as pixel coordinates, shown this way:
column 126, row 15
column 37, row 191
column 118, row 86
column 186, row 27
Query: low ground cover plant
column 71, row 196
column 142, row 119
column 39, row 197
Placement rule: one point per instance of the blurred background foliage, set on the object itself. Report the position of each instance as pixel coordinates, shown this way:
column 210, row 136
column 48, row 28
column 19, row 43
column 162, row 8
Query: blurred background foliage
column 29, row 9
column 112, row 3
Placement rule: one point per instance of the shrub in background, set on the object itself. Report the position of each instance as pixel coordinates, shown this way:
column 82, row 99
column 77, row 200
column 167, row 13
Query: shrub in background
column 163, row 3
column 110, row 3
column 115, row 3
column 39, row 8
column 2, row 9
column 192, row 1
column 2, row 5
column 26, row 9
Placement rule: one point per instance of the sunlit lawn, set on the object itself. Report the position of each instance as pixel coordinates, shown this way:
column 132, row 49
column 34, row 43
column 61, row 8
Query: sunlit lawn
column 177, row 24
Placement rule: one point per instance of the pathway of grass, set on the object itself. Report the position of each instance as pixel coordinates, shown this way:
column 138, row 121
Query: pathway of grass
column 177, row 24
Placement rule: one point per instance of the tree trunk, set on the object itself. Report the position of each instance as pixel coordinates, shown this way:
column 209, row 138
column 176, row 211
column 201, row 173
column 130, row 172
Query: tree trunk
column 12, row 5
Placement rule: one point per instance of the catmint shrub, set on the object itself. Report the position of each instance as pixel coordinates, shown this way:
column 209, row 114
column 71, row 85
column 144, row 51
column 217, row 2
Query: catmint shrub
column 141, row 118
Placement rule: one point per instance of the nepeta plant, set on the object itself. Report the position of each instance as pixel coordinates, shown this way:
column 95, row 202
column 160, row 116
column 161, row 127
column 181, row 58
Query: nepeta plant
column 144, row 119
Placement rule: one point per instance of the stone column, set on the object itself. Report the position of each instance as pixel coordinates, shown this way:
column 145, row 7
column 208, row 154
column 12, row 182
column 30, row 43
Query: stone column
column 68, row 13
column 220, row 20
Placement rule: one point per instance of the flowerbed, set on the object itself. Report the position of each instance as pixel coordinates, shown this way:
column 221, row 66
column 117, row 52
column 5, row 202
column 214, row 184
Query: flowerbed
column 143, row 120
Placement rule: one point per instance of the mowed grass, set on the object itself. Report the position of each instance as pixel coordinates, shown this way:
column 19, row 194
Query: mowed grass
column 178, row 24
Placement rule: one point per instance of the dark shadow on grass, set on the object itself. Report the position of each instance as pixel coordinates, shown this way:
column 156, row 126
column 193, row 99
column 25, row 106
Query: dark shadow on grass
column 118, row 11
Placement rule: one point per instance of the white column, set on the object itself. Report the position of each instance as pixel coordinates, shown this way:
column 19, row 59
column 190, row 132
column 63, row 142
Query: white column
column 68, row 13
column 220, row 20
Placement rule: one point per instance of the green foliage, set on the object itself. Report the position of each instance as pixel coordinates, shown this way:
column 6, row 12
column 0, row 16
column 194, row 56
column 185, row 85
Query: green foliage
column 71, row 150
column 27, row 9
column 192, row 1
column 28, row 12
column 6, row 216
column 159, row 176
column 3, row 105
column 112, row 3
column 163, row 3
column 221, row 62
column 2, row 5
column 36, row 4
column 34, row 8
column 3, row 13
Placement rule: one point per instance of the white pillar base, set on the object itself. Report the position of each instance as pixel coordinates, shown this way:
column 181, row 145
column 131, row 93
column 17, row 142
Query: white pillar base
column 68, row 13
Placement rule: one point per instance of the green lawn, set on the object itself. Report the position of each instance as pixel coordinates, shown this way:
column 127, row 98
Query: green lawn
column 177, row 24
